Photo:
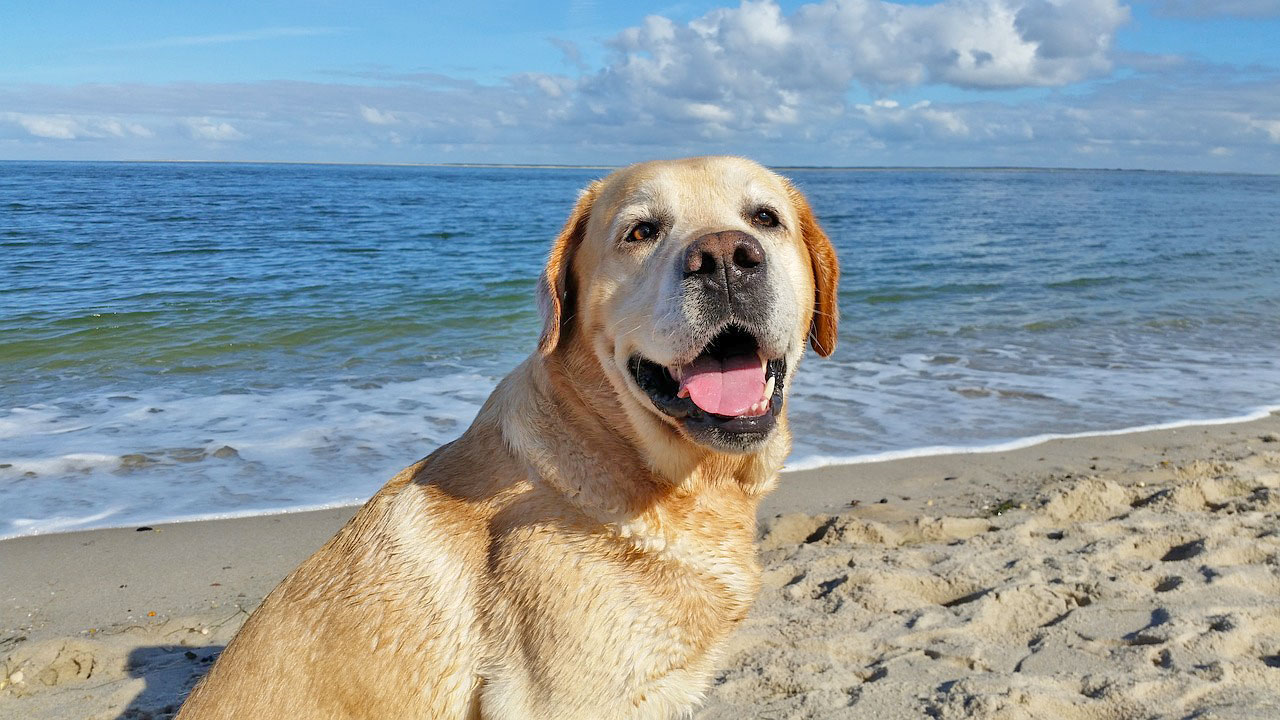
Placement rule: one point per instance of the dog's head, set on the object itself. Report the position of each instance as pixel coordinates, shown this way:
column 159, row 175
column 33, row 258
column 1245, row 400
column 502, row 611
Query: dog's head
column 695, row 285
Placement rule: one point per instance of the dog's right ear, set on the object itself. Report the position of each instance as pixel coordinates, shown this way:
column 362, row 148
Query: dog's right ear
column 555, row 287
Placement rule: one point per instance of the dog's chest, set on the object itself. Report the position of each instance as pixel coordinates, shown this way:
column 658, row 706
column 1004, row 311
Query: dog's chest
column 601, row 618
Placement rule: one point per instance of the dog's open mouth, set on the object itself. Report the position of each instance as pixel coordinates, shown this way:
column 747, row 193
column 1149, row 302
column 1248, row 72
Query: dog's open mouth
column 730, row 386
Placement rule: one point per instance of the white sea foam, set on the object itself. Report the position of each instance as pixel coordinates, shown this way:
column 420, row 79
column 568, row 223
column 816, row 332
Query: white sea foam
column 69, row 463
column 60, row 523
column 881, row 407
column 142, row 457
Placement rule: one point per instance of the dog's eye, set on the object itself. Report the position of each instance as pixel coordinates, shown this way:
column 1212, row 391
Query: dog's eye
column 765, row 217
column 642, row 231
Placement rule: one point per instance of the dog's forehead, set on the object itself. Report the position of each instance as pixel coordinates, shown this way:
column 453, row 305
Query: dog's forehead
column 696, row 188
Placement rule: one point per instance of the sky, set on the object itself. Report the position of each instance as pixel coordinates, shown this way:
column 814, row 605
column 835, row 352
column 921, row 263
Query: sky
column 1153, row 84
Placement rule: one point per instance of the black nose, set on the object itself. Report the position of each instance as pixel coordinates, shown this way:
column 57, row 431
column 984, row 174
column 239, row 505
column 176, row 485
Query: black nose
column 724, row 258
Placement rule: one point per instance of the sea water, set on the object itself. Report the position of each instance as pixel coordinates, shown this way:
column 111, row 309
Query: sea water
column 197, row 340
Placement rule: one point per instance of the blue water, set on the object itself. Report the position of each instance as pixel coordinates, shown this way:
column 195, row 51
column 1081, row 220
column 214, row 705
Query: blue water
column 182, row 340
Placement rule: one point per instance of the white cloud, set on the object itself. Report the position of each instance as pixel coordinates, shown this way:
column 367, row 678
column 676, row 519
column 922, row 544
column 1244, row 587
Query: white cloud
column 1270, row 127
column 374, row 116
column 887, row 120
column 72, row 127
column 1066, row 30
column 830, row 46
column 54, row 128
column 203, row 128
column 753, row 68
column 708, row 112
column 553, row 86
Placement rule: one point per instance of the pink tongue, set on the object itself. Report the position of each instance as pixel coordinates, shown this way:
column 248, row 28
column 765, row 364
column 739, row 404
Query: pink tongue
column 724, row 388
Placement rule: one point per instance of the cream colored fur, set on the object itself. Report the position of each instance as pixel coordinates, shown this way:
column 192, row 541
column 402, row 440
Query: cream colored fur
column 573, row 554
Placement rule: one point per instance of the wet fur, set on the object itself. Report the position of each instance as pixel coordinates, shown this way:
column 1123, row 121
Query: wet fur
column 571, row 555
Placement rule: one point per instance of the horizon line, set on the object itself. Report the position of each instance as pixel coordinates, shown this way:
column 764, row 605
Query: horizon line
column 604, row 166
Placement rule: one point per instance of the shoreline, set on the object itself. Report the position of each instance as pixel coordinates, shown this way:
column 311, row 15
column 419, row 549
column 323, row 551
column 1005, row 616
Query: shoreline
column 1260, row 412
column 805, row 465
column 144, row 612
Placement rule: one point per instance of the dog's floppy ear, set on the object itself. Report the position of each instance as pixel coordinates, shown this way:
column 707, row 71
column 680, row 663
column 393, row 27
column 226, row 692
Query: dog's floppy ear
column 826, row 278
column 555, row 286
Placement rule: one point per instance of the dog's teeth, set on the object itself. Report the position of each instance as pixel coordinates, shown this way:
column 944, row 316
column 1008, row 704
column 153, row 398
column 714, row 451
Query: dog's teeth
column 684, row 393
column 768, row 389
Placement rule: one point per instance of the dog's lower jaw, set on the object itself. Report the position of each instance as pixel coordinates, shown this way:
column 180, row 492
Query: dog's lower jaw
column 691, row 466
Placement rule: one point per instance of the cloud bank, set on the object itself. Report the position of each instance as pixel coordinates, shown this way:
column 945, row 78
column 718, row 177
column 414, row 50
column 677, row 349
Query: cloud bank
column 1017, row 82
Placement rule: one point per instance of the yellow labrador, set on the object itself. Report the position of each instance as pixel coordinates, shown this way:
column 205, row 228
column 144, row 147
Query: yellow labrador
column 586, row 546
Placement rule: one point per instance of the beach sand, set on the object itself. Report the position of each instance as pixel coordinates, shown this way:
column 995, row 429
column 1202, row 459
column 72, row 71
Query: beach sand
column 1123, row 576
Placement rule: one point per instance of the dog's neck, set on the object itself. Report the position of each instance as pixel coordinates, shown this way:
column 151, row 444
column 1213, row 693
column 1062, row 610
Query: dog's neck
column 574, row 433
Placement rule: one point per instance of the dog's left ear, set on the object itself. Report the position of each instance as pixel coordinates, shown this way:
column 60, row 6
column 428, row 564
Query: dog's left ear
column 826, row 278
column 555, row 289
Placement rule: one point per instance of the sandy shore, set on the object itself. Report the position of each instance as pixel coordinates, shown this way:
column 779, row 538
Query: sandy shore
column 1126, row 576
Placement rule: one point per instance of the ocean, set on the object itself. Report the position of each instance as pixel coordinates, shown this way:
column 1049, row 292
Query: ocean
column 204, row 340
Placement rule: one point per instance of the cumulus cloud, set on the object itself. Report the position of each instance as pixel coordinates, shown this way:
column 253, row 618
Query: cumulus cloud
column 1219, row 8
column 757, row 65
column 1079, row 31
column 968, row 43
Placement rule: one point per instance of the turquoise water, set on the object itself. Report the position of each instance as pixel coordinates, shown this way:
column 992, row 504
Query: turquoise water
column 183, row 340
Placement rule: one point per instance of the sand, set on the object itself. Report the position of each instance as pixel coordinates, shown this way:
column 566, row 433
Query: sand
column 1127, row 576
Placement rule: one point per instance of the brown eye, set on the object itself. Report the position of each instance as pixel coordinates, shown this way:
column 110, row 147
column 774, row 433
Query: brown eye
column 765, row 218
column 642, row 231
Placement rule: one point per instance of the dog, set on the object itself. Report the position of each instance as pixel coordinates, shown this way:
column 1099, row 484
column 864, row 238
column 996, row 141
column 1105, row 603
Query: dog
column 584, row 549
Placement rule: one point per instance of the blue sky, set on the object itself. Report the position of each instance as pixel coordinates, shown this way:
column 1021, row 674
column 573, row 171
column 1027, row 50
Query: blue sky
column 1160, row 84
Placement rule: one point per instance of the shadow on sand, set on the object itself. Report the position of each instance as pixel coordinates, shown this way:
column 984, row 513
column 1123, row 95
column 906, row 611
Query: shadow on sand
column 170, row 671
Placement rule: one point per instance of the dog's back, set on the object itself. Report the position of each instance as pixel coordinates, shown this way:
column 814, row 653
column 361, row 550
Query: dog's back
column 380, row 622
